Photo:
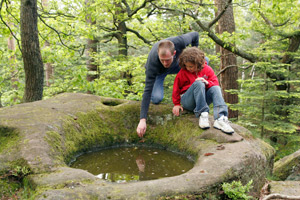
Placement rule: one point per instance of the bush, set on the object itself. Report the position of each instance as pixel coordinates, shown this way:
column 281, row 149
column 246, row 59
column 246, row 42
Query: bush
column 236, row 191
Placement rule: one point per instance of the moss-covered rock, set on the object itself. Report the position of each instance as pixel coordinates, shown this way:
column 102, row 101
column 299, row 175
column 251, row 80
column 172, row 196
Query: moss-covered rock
column 285, row 188
column 287, row 166
column 48, row 134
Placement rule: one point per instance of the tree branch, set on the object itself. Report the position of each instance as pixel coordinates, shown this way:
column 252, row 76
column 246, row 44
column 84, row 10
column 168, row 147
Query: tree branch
column 248, row 56
column 130, row 12
column 138, row 35
column 272, row 26
column 220, row 14
column 7, row 10
column 224, row 69
column 270, row 23
column 58, row 34
column 54, row 15
column 11, row 32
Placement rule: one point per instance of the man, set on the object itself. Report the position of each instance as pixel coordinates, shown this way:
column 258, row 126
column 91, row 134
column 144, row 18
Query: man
column 162, row 60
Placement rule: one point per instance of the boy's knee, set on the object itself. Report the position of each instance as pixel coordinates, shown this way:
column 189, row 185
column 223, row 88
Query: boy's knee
column 199, row 83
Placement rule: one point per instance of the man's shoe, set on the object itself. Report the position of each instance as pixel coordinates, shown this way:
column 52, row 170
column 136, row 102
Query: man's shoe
column 203, row 120
column 223, row 124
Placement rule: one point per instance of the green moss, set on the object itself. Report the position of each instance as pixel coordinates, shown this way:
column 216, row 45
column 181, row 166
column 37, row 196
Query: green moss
column 8, row 137
column 13, row 181
column 192, row 197
column 175, row 134
column 291, row 146
column 116, row 125
column 55, row 140
column 284, row 167
column 97, row 129
column 8, row 188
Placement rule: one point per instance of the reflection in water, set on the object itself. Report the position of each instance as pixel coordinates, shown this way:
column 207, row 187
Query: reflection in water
column 140, row 162
column 133, row 163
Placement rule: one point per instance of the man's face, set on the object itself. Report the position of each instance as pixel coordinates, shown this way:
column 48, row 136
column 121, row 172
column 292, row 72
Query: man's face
column 166, row 58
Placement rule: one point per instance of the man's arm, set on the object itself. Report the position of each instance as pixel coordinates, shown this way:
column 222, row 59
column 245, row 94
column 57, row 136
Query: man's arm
column 182, row 41
column 142, row 126
column 191, row 38
column 149, row 83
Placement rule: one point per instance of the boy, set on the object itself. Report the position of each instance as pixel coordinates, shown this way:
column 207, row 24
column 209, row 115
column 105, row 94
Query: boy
column 195, row 87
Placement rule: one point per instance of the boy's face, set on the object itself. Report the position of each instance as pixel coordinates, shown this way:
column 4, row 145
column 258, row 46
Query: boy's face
column 191, row 67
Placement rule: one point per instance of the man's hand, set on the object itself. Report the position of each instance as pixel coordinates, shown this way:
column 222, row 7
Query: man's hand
column 141, row 128
column 177, row 109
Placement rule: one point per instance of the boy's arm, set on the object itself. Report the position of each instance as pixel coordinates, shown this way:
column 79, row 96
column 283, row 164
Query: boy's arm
column 176, row 90
column 212, row 78
column 176, row 96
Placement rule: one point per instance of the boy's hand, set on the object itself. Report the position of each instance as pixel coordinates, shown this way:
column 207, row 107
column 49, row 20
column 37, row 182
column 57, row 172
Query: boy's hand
column 202, row 79
column 177, row 109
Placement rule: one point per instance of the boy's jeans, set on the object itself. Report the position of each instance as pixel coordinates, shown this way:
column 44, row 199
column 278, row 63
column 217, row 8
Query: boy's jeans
column 158, row 88
column 197, row 99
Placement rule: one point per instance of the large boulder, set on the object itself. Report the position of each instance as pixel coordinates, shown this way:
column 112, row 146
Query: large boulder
column 46, row 135
column 288, row 167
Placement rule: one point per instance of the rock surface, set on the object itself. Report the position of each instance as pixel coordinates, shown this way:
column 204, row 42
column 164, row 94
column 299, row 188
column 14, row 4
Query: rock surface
column 289, row 188
column 288, row 167
column 51, row 132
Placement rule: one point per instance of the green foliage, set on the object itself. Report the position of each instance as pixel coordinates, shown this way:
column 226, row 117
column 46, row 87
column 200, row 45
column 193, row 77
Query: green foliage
column 13, row 182
column 236, row 191
column 265, row 108
column 121, row 78
column 8, row 137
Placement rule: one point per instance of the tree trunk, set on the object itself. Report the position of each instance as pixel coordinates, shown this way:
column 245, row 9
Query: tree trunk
column 91, row 49
column 121, row 33
column 122, row 41
column 33, row 64
column 93, row 72
column 11, row 43
column 49, row 69
column 228, row 78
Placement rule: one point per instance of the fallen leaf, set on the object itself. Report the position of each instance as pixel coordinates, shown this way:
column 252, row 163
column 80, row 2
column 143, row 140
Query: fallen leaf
column 208, row 154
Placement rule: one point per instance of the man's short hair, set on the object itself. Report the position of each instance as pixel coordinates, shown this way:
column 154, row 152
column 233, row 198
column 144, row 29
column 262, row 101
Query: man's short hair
column 164, row 46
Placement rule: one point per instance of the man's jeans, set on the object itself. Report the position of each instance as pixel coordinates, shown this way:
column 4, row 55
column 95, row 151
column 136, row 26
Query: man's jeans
column 158, row 88
column 197, row 99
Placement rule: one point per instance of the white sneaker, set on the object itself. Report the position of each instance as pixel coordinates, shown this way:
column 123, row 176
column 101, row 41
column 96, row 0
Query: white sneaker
column 223, row 124
column 203, row 120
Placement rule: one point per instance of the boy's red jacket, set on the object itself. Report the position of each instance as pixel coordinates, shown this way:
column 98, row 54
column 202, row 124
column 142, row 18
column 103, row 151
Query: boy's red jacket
column 184, row 79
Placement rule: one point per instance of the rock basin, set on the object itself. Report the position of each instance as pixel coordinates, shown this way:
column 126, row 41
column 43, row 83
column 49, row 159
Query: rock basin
column 49, row 133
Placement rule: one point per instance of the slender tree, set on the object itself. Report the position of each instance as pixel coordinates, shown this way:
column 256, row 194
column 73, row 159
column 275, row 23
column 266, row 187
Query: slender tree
column 228, row 77
column 11, row 43
column 49, row 69
column 33, row 65
column 91, row 48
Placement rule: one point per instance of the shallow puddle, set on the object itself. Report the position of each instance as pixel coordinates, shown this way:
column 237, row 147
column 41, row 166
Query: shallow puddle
column 133, row 164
